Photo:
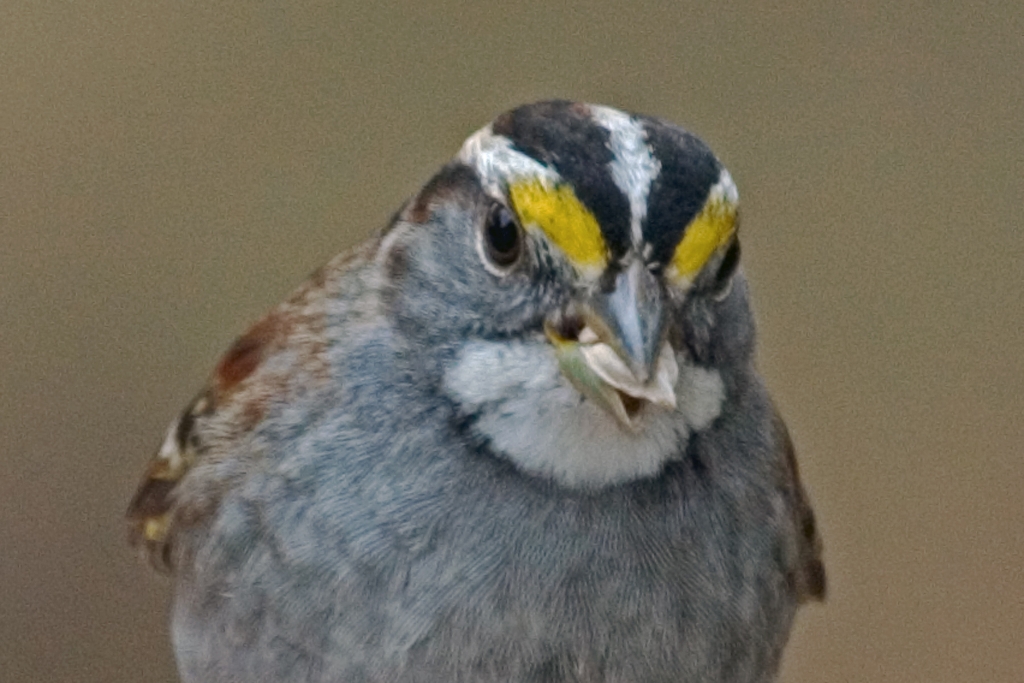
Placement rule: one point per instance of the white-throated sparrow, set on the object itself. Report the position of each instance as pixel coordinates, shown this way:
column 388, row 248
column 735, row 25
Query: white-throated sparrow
column 518, row 436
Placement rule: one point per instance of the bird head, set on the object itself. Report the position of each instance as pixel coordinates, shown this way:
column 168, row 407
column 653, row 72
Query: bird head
column 565, row 277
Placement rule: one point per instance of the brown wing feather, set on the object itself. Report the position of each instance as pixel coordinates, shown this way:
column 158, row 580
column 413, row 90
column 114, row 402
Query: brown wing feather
column 149, row 512
column 809, row 569
column 243, row 387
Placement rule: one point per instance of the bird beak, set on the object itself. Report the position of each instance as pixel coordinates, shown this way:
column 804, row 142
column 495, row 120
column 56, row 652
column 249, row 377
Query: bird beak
column 611, row 346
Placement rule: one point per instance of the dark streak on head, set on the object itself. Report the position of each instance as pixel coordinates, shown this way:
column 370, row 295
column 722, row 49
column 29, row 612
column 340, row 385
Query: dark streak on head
column 688, row 171
column 562, row 134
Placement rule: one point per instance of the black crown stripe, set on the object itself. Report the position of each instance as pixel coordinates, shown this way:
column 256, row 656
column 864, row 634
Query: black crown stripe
column 562, row 135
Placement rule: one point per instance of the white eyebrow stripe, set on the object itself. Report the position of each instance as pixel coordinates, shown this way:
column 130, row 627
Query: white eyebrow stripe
column 726, row 188
column 498, row 163
column 633, row 167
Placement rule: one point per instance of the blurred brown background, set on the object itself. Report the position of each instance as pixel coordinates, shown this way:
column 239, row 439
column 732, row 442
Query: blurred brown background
column 170, row 169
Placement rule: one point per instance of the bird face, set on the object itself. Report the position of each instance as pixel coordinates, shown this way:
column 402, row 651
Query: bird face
column 569, row 260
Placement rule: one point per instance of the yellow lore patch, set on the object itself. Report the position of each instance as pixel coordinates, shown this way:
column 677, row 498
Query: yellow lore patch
column 562, row 217
column 709, row 231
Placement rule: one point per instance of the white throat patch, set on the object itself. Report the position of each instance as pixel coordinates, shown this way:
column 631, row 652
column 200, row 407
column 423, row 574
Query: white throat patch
column 532, row 414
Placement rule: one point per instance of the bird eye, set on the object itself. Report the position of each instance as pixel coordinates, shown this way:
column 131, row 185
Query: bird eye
column 502, row 238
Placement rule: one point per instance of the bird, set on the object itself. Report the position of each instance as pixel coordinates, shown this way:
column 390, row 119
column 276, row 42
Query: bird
column 517, row 435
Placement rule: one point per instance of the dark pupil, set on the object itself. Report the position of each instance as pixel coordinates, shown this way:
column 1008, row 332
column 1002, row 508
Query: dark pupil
column 502, row 236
